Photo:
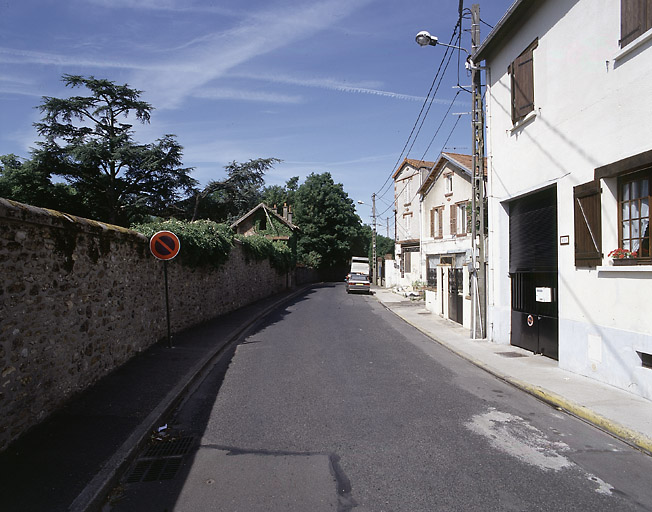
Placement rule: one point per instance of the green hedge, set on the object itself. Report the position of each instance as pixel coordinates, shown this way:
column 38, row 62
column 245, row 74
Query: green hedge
column 259, row 248
column 203, row 242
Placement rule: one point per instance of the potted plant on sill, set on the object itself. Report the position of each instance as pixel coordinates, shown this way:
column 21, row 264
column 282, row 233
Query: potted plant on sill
column 623, row 256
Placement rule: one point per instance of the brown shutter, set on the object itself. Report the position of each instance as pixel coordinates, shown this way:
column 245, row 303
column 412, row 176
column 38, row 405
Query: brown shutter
column 588, row 224
column 522, row 85
column 432, row 222
column 632, row 20
column 453, row 210
column 440, row 213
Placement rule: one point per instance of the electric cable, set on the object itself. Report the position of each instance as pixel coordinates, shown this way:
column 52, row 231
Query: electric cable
column 457, row 26
column 450, row 134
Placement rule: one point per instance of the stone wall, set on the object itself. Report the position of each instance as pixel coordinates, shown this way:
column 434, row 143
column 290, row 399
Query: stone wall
column 78, row 298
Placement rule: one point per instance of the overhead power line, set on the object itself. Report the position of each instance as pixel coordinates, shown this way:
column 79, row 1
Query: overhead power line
column 450, row 134
column 421, row 112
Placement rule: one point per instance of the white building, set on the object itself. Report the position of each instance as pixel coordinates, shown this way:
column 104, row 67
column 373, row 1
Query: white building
column 445, row 196
column 570, row 167
column 407, row 181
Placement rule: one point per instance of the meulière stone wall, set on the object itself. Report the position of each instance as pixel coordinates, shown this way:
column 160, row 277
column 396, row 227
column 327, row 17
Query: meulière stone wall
column 78, row 298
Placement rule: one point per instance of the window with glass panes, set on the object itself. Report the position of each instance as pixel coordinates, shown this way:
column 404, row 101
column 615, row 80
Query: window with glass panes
column 634, row 227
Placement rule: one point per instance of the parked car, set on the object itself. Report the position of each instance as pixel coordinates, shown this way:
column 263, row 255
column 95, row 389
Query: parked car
column 358, row 283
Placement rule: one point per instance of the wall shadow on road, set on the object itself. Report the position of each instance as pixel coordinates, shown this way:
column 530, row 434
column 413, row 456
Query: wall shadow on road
column 192, row 416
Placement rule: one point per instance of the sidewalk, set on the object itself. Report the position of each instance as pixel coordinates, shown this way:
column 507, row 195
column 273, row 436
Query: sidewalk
column 624, row 415
column 74, row 458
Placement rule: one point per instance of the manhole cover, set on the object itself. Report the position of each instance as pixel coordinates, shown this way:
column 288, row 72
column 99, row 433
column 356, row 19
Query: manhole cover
column 511, row 354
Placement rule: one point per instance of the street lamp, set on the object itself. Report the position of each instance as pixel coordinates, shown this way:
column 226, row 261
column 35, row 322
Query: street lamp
column 477, row 218
column 425, row 39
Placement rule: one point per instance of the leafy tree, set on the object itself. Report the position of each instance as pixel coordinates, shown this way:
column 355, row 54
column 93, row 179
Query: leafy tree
column 230, row 199
column 279, row 195
column 29, row 183
column 87, row 144
column 330, row 228
column 384, row 246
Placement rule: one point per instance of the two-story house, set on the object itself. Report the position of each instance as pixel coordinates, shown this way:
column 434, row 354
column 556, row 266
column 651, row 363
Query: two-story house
column 407, row 181
column 570, row 170
column 445, row 236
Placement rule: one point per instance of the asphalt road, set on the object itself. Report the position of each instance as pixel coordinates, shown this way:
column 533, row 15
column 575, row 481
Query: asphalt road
column 334, row 403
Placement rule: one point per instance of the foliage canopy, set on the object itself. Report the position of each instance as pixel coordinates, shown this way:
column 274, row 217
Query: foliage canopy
column 88, row 145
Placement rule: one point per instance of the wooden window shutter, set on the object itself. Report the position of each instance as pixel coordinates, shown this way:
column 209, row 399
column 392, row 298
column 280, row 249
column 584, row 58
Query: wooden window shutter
column 588, row 224
column 632, row 20
column 432, row 223
column 453, row 210
column 522, row 71
column 440, row 213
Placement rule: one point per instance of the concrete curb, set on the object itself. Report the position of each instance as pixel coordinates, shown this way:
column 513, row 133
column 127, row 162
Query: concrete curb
column 93, row 495
column 613, row 428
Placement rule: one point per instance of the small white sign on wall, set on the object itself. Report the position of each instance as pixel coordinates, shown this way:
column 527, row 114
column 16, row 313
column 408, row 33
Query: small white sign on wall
column 543, row 294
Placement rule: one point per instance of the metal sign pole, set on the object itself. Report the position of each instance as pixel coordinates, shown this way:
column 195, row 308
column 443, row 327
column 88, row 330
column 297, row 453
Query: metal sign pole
column 165, row 246
column 167, row 301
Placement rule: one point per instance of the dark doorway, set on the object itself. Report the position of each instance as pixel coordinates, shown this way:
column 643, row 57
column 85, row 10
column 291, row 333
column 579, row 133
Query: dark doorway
column 533, row 268
column 455, row 295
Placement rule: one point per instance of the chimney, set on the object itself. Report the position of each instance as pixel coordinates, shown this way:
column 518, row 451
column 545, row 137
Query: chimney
column 289, row 219
column 285, row 211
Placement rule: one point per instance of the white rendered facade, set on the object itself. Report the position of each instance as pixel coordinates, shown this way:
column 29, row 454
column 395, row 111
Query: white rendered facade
column 590, row 122
column 445, row 232
column 407, row 181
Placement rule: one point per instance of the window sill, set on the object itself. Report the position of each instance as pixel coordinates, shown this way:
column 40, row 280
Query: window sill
column 521, row 123
column 624, row 268
column 634, row 45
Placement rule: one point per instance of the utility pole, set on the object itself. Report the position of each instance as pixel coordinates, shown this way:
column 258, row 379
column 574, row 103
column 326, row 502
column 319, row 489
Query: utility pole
column 373, row 237
column 479, row 292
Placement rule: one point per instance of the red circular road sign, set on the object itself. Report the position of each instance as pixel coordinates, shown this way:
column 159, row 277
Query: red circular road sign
column 164, row 245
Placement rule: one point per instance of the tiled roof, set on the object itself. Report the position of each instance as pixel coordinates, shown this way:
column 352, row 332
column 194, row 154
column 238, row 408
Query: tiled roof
column 464, row 162
column 269, row 211
column 417, row 164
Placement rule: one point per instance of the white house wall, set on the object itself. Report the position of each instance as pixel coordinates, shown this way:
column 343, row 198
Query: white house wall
column 449, row 244
column 406, row 186
column 591, row 109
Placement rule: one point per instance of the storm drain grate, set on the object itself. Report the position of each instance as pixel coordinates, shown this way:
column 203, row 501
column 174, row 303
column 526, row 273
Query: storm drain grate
column 154, row 470
column 179, row 446
column 511, row 354
column 161, row 461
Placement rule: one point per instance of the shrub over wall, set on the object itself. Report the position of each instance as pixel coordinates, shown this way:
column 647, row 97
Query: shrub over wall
column 259, row 248
column 203, row 242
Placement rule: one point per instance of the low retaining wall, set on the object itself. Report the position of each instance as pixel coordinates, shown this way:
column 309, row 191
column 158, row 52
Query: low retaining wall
column 78, row 298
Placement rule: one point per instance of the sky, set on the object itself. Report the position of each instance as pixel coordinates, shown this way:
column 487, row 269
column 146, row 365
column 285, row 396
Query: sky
column 336, row 86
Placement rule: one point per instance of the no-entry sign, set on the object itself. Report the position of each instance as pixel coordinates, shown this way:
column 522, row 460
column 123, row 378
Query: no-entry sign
column 164, row 245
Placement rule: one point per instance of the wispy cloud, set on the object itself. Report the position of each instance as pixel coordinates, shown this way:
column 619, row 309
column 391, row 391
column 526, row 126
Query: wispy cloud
column 165, row 5
column 222, row 93
column 261, row 34
column 356, row 161
column 334, row 85
column 13, row 56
